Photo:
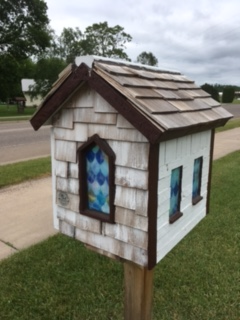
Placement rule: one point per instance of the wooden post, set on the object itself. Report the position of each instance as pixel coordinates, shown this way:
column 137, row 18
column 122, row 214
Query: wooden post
column 138, row 282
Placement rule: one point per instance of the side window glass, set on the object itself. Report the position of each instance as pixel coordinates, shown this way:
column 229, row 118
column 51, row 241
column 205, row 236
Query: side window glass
column 197, row 179
column 175, row 194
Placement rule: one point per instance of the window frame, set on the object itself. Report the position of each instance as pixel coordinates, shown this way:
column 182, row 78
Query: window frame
column 197, row 198
column 83, row 190
column 177, row 214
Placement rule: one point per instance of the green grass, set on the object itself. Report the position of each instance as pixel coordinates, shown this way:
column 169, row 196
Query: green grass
column 231, row 124
column 59, row 279
column 236, row 101
column 22, row 171
column 10, row 111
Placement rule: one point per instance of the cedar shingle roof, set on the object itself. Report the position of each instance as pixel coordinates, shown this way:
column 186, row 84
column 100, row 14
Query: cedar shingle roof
column 160, row 104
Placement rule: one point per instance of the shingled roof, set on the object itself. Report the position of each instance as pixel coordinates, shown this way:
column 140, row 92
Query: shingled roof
column 160, row 104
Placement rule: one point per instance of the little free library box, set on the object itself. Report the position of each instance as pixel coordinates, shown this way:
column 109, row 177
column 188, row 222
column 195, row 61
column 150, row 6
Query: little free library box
column 132, row 150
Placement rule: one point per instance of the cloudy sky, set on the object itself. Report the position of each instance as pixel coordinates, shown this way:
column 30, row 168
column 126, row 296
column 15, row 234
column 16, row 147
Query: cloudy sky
column 201, row 39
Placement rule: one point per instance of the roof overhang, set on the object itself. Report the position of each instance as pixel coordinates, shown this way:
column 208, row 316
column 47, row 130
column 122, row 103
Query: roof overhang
column 105, row 75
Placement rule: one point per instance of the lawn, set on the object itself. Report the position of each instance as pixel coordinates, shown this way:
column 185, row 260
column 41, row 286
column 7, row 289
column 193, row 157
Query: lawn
column 7, row 111
column 231, row 124
column 236, row 101
column 59, row 279
column 26, row 170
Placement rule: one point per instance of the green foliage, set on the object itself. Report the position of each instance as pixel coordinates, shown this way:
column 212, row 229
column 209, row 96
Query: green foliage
column 102, row 40
column 27, row 69
column 147, row 58
column 220, row 87
column 18, row 172
column 46, row 73
column 23, row 27
column 98, row 39
column 211, row 90
column 24, row 32
column 228, row 94
column 9, row 77
column 69, row 44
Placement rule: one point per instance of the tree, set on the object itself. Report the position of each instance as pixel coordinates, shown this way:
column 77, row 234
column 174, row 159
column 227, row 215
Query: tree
column 9, row 77
column 46, row 73
column 102, row 40
column 211, row 90
column 23, row 33
column 69, row 44
column 28, row 69
column 98, row 39
column 147, row 58
column 23, row 27
column 228, row 94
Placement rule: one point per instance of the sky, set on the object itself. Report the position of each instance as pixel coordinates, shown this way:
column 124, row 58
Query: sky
column 199, row 38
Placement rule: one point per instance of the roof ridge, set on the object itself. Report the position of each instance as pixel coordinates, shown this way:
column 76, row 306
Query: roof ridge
column 91, row 59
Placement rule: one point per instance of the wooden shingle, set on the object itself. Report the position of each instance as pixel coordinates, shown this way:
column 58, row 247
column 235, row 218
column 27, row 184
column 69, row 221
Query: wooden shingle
column 159, row 104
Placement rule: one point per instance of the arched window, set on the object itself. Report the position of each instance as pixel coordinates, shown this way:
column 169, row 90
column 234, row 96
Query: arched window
column 96, row 179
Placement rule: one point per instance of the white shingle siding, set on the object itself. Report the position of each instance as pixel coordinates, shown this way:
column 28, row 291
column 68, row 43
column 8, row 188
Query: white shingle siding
column 172, row 154
column 88, row 114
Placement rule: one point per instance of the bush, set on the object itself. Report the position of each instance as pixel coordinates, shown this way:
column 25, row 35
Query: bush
column 228, row 94
column 211, row 90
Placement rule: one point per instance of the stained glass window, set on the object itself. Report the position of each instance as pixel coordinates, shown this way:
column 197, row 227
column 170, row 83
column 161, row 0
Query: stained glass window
column 96, row 179
column 175, row 195
column 197, row 174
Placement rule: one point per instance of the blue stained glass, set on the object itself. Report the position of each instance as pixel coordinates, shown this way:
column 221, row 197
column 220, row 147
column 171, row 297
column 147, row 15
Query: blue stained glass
column 175, row 190
column 97, row 180
column 100, row 177
column 100, row 157
column 90, row 156
column 197, row 177
column 91, row 177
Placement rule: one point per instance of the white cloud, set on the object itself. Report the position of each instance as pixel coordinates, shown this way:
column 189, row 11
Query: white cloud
column 198, row 38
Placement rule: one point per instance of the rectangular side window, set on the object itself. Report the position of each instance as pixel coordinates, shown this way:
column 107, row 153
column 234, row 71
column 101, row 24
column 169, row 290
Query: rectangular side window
column 197, row 180
column 175, row 194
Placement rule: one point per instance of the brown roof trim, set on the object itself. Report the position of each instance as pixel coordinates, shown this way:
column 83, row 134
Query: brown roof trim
column 178, row 133
column 152, row 205
column 111, row 95
column 142, row 122
column 124, row 107
column 55, row 100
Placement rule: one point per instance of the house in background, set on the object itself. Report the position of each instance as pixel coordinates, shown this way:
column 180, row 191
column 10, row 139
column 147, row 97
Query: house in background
column 26, row 89
column 132, row 149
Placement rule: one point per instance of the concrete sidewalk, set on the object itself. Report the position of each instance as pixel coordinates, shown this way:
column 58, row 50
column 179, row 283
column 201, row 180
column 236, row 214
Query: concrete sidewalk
column 25, row 215
column 226, row 142
column 26, row 209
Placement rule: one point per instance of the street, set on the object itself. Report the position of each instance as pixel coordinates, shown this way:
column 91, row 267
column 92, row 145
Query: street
column 19, row 142
column 234, row 109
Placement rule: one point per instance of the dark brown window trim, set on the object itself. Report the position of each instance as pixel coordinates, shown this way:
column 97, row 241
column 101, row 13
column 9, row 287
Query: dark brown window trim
column 196, row 200
column 83, row 206
column 174, row 217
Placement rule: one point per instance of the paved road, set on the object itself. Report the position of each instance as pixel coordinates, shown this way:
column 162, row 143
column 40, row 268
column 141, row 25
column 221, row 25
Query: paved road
column 18, row 142
column 234, row 109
